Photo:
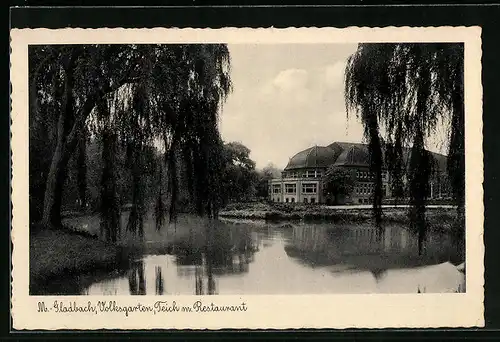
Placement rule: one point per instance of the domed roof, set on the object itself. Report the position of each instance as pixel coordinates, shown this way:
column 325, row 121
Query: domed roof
column 354, row 155
column 346, row 153
column 317, row 156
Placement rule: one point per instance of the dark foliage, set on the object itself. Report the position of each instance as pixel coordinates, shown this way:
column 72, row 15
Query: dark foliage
column 402, row 92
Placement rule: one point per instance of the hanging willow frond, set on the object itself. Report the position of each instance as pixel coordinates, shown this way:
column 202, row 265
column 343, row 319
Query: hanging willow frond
column 152, row 94
column 405, row 90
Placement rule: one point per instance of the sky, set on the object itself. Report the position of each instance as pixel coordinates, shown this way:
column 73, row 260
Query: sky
column 287, row 98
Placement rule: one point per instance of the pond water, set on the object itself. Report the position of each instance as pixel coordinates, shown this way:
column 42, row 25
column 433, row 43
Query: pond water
column 287, row 258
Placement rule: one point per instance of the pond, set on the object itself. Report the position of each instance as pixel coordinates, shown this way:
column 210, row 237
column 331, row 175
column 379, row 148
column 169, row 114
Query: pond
column 257, row 257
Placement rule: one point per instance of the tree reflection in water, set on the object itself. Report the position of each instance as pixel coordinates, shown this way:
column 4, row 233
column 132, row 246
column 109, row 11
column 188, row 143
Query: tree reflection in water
column 366, row 247
column 136, row 279
column 158, row 281
column 223, row 249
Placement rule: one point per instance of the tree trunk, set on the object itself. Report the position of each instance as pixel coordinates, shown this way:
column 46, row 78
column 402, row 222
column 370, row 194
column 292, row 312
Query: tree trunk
column 135, row 223
column 110, row 207
column 69, row 124
column 53, row 191
column 419, row 180
column 456, row 157
column 375, row 149
column 57, row 173
column 82, row 170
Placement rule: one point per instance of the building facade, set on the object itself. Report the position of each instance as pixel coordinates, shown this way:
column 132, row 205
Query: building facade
column 302, row 179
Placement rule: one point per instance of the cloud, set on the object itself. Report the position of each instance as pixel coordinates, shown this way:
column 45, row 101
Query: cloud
column 291, row 79
column 334, row 75
column 290, row 87
column 286, row 99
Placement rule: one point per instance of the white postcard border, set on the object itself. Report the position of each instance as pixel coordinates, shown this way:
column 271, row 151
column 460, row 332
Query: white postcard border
column 265, row 311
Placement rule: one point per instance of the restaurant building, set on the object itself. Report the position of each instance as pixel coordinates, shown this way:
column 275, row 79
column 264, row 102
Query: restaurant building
column 302, row 179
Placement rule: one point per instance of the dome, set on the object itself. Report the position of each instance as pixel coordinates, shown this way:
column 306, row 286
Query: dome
column 317, row 156
column 354, row 155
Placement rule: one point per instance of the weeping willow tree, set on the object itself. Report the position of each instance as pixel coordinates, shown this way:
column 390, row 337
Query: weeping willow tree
column 110, row 205
column 403, row 93
column 140, row 98
column 175, row 107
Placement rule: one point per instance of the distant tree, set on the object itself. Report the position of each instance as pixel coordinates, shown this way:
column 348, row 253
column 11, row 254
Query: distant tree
column 269, row 172
column 239, row 177
column 238, row 154
column 337, row 183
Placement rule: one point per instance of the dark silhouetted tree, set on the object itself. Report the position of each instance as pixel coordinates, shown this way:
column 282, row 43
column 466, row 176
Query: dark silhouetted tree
column 338, row 183
column 153, row 94
column 402, row 92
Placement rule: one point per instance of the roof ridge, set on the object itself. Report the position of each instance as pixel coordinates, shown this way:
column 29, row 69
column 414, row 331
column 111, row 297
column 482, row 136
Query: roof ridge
column 309, row 153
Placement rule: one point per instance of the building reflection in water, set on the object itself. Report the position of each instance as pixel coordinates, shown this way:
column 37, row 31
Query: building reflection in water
column 299, row 257
column 366, row 247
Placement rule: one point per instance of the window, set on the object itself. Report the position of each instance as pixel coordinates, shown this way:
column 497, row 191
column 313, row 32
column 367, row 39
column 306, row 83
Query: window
column 309, row 188
column 313, row 200
column 293, row 199
column 290, row 188
column 286, row 200
column 310, row 174
column 276, row 188
column 360, row 201
column 305, row 200
column 293, row 175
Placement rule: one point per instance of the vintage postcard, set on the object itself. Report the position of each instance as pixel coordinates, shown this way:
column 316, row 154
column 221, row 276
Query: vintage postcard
column 247, row 178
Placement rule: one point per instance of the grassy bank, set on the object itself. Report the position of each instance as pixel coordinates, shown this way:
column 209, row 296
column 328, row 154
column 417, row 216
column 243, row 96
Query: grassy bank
column 75, row 251
column 57, row 252
column 284, row 212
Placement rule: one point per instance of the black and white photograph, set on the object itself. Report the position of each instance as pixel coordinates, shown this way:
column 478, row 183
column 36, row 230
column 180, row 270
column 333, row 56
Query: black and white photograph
column 227, row 168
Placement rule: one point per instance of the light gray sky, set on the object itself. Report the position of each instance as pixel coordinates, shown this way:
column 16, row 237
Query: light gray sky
column 287, row 98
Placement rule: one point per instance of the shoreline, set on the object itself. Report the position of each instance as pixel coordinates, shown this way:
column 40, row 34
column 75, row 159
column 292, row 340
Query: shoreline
column 311, row 213
column 68, row 252
column 56, row 253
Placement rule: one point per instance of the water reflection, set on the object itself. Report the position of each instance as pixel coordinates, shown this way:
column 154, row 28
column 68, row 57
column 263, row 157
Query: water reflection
column 159, row 281
column 225, row 252
column 247, row 258
column 136, row 280
column 365, row 247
